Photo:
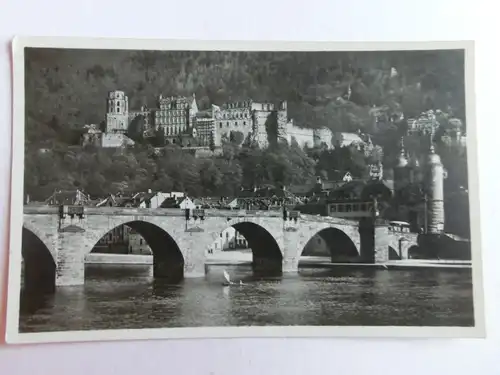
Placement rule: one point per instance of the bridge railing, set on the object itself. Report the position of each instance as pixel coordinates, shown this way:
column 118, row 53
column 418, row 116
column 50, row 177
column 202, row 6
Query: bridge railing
column 129, row 211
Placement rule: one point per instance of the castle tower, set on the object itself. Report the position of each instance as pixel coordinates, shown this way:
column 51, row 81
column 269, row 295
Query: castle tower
column 259, row 130
column 401, row 170
column 435, row 189
column 117, row 112
column 282, row 119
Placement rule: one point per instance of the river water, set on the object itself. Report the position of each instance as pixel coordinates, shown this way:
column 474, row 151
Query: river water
column 121, row 297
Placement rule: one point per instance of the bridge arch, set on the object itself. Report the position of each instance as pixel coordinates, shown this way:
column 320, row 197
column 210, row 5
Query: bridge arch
column 39, row 265
column 47, row 238
column 402, row 247
column 264, row 241
column 168, row 259
column 333, row 242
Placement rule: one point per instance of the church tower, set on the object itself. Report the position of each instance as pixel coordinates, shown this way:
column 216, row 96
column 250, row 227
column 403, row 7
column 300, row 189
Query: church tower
column 193, row 111
column 435, row 189
column 117, row 112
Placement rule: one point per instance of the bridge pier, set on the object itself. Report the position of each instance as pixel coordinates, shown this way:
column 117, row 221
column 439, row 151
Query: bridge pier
column 267, row 267
column 375, row 241
column 293, row 243
column 71, row 250
column 194, row 246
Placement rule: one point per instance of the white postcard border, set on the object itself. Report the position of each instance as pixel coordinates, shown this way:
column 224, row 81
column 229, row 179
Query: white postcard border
column 17, row 175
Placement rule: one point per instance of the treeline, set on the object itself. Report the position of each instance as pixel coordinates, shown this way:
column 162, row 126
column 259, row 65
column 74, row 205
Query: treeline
column 100, row 172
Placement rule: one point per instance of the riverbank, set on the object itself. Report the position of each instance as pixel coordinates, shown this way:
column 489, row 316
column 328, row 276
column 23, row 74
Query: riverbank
column 232, row 258
column 128, row 259
column 245, row 258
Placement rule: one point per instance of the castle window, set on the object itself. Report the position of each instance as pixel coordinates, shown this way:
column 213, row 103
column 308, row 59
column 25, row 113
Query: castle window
column 220, row 125
column 227, row 125
column 244, row 122
column 118, row 110
column 235, row 123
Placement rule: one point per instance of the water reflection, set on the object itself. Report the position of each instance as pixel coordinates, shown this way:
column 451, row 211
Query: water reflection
column 128, row 297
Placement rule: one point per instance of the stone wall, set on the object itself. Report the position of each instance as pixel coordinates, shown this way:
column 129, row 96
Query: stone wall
column 115, row 140
column 303, row 136
column 400, row 244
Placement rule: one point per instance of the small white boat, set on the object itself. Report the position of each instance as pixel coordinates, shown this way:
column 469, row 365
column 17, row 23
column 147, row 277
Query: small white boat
column 228, row 280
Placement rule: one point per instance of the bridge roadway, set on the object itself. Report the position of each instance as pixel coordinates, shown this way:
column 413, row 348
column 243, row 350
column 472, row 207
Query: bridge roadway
column 180, row 246
column 176, row 212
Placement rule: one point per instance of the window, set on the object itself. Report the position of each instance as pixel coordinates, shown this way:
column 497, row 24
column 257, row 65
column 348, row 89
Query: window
column 341, row 208
column 140, row 241
column 348, row 207
column 333, row 208
column 118, row 110
column 220, row 125
column 227, row 125
column 355, row 207
column 235, row 123
column 244, row 122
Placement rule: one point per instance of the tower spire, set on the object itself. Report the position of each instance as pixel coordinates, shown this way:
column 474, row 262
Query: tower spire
column 402, row 159
column 402, row 146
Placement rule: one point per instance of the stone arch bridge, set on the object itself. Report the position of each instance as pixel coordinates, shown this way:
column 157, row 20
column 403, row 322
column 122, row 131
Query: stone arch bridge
column 57, row 239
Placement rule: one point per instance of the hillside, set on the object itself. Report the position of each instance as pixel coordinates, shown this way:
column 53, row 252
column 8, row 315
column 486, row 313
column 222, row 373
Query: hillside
column 67, row 88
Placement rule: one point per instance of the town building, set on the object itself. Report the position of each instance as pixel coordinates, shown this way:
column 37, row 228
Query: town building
column 136, row 243
column 68, row 197
column 229, row 239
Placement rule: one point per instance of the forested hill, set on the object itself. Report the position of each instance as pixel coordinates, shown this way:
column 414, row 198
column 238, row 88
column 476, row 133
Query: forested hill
column 68, row 87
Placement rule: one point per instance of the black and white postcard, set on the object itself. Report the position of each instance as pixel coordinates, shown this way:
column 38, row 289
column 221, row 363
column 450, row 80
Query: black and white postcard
column 188, row 189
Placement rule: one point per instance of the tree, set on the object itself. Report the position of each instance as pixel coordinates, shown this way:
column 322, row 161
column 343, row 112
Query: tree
column 136, row 129
column 159, row 138
column 236, row 137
